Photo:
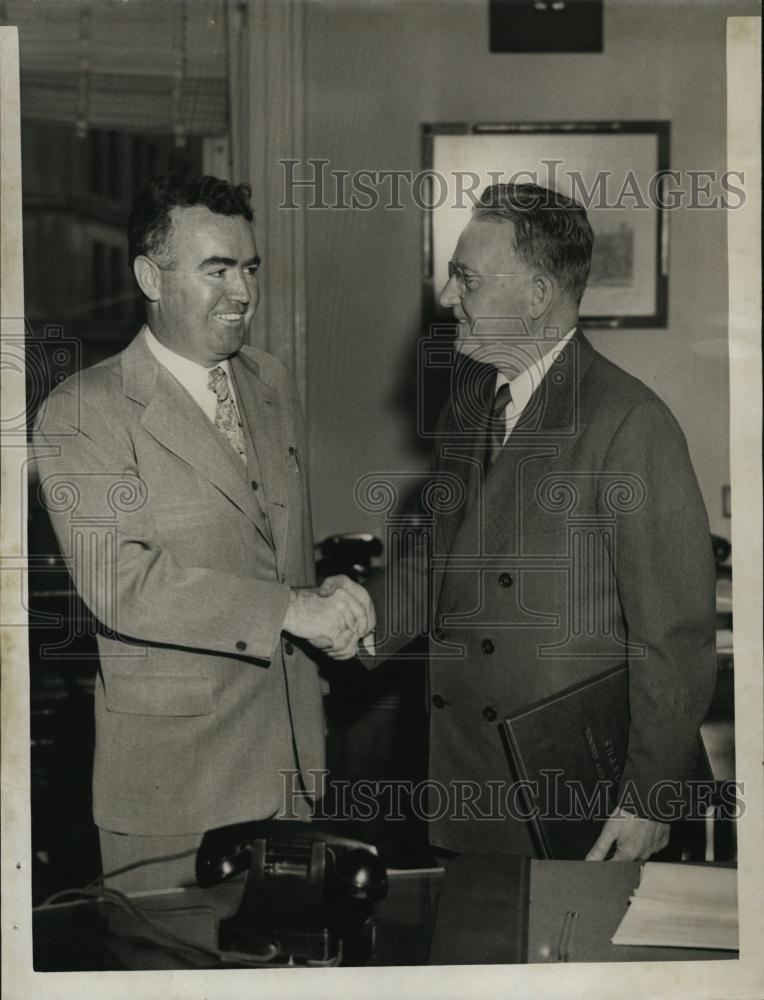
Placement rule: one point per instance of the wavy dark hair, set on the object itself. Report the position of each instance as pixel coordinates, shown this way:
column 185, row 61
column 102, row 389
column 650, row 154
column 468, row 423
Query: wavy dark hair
column 149, row 224
column 551, row 231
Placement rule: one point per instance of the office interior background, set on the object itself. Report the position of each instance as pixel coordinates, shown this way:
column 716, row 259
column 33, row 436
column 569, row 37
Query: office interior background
column 116, row 92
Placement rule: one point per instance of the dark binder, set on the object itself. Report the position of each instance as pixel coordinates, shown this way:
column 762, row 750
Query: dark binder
column 568, row 751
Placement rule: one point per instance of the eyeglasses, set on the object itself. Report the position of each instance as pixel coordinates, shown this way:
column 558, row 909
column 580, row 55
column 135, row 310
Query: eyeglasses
column 463, row 278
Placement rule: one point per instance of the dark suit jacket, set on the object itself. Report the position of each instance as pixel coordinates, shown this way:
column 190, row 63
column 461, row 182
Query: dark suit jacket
column 586, row 546
column 185, row 556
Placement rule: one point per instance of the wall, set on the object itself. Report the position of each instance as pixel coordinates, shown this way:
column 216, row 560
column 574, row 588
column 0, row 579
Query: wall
column 374, row 72
column 76, row 206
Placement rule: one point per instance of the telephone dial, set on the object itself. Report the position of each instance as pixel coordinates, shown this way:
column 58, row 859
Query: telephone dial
column 308, row 887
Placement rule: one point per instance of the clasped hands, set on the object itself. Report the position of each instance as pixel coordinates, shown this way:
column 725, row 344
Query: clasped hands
column 334, row 617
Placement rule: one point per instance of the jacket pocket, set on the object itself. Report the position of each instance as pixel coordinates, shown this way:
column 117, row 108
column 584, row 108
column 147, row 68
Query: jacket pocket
column 158, row 694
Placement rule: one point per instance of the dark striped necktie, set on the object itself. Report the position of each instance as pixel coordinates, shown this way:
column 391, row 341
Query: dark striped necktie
column 497, row 424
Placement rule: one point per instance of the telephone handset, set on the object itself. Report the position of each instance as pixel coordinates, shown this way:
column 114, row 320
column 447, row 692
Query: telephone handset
column 352, row 866
column 302, row 878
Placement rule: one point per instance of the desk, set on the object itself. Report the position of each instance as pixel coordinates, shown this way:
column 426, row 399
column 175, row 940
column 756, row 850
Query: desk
column 489, row 909
column 89, row 935
column 502, row 909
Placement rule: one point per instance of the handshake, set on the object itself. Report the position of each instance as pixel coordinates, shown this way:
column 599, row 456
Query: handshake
column 334, row 617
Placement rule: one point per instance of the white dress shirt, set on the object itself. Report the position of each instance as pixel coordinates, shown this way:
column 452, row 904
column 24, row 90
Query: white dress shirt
column 192, row 376
column 523, row 386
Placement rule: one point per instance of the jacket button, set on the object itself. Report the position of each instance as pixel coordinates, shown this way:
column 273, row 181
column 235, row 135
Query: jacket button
column 505, row 579
column 288, row 648
column 253, row 484
column 489, row 714
column 438, row 701
column 487, row 646
column 241, row 645
column 439, row 634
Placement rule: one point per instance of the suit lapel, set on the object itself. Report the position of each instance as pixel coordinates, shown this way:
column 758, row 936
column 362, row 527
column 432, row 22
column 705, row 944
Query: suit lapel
column 546, row 431
column 263, row 414
column 177, row 422
column 466, row 435
column 462, row 455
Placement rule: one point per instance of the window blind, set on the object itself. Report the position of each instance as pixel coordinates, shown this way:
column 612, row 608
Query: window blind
column 147, row 65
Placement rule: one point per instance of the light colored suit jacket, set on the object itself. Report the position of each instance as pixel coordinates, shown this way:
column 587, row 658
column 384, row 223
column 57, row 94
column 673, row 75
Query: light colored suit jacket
column 185, row 557
column 586, row 546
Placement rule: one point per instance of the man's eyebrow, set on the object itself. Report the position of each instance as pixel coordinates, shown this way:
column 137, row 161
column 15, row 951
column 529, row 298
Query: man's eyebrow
column 462, row 266
column 228, row 262
column 222, row 261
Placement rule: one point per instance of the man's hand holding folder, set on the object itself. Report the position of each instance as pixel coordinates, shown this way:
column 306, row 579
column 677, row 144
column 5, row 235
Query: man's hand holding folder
column 635, row 839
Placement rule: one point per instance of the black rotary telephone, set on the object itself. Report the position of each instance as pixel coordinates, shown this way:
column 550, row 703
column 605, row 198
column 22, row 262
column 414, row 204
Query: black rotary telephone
column 306, row 883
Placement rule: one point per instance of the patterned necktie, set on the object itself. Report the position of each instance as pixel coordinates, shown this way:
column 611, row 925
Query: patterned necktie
column 497, row 425
column 226, row 415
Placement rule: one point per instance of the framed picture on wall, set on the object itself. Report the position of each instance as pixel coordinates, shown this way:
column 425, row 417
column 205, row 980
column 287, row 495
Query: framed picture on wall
column 615, row 169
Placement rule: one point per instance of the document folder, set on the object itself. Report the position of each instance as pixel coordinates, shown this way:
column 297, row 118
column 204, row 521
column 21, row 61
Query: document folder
column 568, row 752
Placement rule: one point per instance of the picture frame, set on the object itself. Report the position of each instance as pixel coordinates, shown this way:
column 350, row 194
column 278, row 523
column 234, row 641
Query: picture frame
column 617, row 169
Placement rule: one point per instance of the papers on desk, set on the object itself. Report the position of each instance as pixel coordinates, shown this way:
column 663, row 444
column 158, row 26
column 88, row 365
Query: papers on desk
column 682, row 906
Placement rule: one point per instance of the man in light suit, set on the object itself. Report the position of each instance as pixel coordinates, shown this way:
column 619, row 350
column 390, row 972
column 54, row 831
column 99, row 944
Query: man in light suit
column 174, row 474
column 575, row 538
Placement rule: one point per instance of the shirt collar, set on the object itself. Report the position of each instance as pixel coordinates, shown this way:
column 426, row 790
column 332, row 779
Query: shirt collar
column 188, row 373
column 523, row 385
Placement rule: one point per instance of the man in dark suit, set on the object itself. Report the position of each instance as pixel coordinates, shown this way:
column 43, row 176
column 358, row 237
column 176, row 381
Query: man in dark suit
column 174, row 474
column 575, row 538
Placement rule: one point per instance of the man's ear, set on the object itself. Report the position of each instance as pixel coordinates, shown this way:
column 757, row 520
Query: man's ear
column 542, row 295
column 148, row 276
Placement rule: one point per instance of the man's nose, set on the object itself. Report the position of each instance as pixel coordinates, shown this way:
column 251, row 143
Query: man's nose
column 450, row 294
column 238, row 288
